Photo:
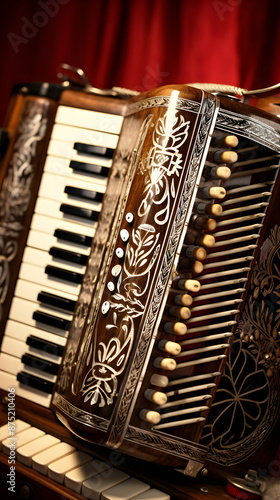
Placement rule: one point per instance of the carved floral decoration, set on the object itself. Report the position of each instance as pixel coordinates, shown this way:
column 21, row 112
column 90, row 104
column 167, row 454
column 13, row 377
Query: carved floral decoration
column 161, row 163
column 247, row 400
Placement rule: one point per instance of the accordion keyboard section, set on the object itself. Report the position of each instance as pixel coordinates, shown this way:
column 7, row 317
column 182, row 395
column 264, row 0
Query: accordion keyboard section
column 205, row 295
column 63, row 224
column 66, row 465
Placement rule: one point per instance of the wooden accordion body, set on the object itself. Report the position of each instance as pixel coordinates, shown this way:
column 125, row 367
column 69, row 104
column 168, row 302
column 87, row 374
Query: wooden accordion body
column 168, row 277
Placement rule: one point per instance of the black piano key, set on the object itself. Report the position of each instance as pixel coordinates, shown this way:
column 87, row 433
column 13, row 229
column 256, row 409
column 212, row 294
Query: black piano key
column 56, row 301
column 83, row 213
column 83, row 193
column 64, row 274
column 40, row 363
column 45, row 345
column 35, row 382
column 68, row 256
column 80, row 239
column 51, row 320
column 89, row 168
column 90, row 149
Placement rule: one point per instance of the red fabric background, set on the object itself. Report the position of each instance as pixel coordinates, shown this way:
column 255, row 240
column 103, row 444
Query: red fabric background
column 140, row 44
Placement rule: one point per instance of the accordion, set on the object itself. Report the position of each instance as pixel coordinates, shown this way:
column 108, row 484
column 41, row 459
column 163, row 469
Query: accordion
column 158, row 255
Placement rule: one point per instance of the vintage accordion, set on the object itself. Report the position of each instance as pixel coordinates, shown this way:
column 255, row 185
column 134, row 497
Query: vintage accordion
column 147, row 241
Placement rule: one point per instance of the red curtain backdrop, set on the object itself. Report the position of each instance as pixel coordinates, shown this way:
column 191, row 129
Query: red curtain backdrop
column 140, row 44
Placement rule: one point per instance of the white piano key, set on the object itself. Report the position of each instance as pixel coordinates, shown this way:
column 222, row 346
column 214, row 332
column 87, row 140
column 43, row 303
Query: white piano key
column 29, row 291
column 65, row 149
column 26, row 452
column 23, row 310
column 41, row 461
column 126, row 490
column 36, row 274
column 93, row 487
column 26, row 436
column 61, row 166
column 48, row 225
column 89, row 119
column 21, row 332
column 7, row 380
column 51, row 208
column 58, row 468
column 75, row 477
column 44, row 241
column 152, row 495
column 12, row 429
column 13, row 365
column 72, row 134
column 52, row 186
column 42, row 259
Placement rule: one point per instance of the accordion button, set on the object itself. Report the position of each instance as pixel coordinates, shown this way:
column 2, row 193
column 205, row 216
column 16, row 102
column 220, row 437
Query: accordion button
column 176, row 328
column 190, row 285
column 111, row 286
column 157, row 397
column 116, row 270
column 170, row 347
column 150, row 416
column 165, row 363
column 129, row 217
column 159, row 380
column 105, row 307
column 124, row 234
column 119, row 252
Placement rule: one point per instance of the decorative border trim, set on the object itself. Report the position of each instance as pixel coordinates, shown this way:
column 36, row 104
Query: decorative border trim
column 160, row 101
column 15, row 192
column 79, row 415
column 175, row 446
column 249, row 127
column 121, row 421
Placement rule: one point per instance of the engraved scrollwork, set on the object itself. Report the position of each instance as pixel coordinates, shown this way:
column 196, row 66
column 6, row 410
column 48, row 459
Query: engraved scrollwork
column 174, row 446
column 100, row 383
column 247, row 400
column 159, row 101
column 248, row 127
column 16, row 189
column 78, row 414
column 162, row 162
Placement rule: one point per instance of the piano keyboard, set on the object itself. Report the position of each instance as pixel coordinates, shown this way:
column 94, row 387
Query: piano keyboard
column 69, row 200
column 78, row 471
